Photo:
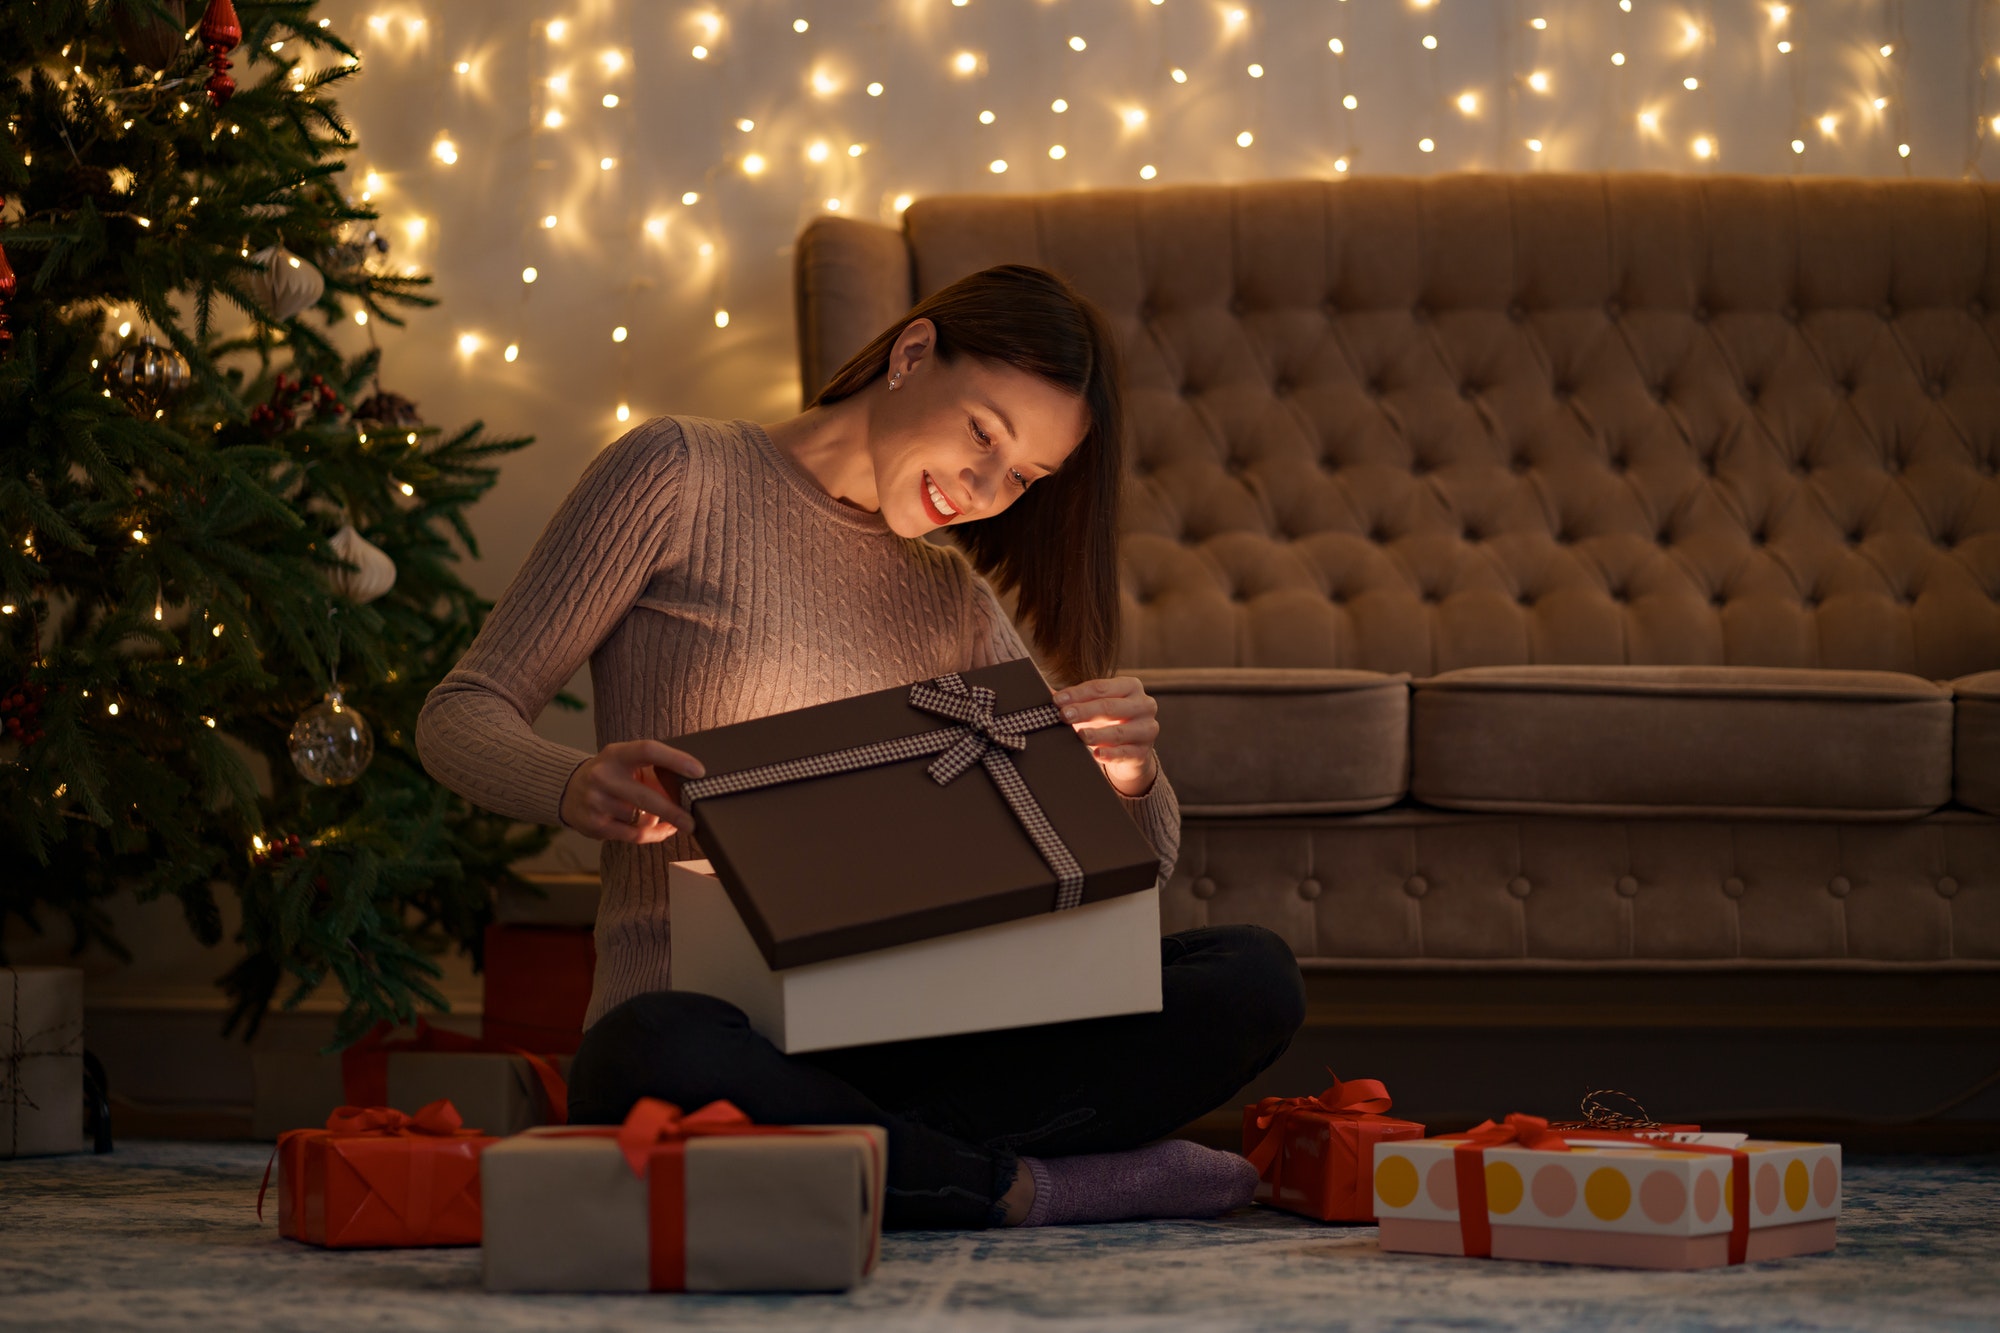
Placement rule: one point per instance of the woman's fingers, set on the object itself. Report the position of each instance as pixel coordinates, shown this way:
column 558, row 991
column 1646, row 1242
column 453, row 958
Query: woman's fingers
column 625, row 794
column 1132, row 733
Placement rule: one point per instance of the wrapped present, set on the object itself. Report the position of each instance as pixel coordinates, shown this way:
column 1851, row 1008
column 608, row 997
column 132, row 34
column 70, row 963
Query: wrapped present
column 702, row 1202
column 538, row 981
column 1521, row 1190
column 375, row 1177
column 1316, row 1155
column 41, row 1061
column 997, row 850
column 501, row 1088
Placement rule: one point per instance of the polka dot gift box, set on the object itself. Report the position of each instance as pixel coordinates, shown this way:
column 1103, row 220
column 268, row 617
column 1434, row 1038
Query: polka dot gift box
column 1520, row 1190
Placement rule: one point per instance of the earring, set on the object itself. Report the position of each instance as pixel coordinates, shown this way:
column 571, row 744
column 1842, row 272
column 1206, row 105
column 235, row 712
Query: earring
column 895, row 379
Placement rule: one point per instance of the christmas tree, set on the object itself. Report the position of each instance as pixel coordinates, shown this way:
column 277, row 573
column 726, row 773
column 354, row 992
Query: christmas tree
column 228, row 567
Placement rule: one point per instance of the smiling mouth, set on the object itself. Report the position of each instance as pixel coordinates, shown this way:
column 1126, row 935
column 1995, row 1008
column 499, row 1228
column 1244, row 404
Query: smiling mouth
column 939, row 504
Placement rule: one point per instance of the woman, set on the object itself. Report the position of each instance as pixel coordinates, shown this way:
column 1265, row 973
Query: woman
column 713, row 572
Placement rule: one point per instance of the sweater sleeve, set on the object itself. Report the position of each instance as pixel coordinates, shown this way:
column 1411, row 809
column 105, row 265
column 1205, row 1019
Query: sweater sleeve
column 994, row 639
column 475, row 733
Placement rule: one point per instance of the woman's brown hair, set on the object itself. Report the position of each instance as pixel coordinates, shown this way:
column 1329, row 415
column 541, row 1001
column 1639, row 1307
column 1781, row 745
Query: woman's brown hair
column 1056, row 546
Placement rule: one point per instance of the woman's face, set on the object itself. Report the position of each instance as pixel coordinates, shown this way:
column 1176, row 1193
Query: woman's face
column 957, row 442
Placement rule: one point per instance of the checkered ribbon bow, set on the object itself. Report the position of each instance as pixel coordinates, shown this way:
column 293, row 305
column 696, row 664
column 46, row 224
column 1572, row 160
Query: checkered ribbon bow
column 983, row 737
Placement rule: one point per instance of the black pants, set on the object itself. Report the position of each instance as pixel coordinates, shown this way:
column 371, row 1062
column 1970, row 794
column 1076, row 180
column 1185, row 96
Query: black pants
column 959, row 1109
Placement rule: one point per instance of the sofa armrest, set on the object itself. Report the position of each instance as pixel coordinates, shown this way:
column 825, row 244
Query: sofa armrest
column 850, row 279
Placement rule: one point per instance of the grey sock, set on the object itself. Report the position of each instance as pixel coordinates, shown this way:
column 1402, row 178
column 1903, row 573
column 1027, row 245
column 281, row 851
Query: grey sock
column 1171, row 1179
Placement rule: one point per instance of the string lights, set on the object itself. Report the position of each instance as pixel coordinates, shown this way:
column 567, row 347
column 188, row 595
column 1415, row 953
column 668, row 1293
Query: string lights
column 809, row 110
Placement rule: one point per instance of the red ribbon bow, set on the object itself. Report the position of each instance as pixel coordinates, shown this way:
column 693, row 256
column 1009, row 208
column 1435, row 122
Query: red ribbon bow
column 1468, row 1159
column 652, row 1122
column 1353, row 1099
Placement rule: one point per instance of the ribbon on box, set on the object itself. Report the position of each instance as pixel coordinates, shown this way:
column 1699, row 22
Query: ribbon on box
column 364, row 1066
column 1352, row 1100
column 654, row 1140
column 57, row 1039
column 1475, row 1227
column 983, row 737
column 439, row 1119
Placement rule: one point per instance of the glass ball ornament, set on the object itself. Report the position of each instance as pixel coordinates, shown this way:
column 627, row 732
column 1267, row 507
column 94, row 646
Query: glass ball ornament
column 148, row 373
column 330, row 743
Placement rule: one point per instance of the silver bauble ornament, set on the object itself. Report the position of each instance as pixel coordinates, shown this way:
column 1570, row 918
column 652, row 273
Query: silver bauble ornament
column 374, row 573
column 330, row 743
column 355, row 250
column 147, row 373
column 284, row 284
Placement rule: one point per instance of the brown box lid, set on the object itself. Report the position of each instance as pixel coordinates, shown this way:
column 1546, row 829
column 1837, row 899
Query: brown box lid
column 832, row 866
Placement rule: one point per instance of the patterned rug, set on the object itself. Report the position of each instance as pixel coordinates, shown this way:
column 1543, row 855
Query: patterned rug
column 165, row 1235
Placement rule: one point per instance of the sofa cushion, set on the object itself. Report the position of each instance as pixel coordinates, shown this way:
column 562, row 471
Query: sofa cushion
column 1739, row 741
column 1976, row 743
column 1264, row 742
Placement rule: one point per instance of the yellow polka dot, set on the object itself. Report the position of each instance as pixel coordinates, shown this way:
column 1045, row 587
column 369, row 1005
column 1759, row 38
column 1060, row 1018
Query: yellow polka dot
column 1503, row 1187
column 1729, row 1193
column 1607, row 1194
column 1396, row 1181
column 1798, row 1184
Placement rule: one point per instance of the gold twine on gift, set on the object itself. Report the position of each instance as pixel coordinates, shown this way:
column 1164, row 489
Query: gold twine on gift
column 19, row 1047
column 1600, row 1113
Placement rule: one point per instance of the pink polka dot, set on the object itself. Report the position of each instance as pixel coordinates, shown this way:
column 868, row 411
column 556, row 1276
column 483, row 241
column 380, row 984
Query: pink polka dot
column 1554, row 1191
column 1707, row 1195
column 1442, row 1185
column 1663, row 1197
column 1767, row 1189
column 1826, row 1183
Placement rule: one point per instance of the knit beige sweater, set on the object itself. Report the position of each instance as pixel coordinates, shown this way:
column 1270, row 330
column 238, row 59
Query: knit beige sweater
column 707, row 580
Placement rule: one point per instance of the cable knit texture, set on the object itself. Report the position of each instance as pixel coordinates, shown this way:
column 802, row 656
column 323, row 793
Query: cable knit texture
column 707, row 580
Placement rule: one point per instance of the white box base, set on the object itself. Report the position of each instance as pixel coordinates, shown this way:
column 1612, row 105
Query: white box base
column 1092, row 962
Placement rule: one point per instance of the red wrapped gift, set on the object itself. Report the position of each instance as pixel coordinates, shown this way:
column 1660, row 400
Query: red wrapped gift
column 538, row 982
column 375, row 1177
column 1316, row 1154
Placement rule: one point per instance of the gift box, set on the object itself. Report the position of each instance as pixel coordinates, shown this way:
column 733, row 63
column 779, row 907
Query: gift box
column 502, row 1090
column 550, row 900
column 666, row 1202
column 1316, row 1155
column 538, row 981
column 377, row 1178
column 978, row 809
column 1520, row 1190
column 41, row 1061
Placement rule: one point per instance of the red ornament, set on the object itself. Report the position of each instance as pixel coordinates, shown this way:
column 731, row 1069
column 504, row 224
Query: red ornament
column 7, row 284
column 220, row 32
column 21, row 713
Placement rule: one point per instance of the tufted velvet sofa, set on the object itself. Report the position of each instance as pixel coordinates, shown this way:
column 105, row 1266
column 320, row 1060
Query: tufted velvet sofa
column 1578, row 593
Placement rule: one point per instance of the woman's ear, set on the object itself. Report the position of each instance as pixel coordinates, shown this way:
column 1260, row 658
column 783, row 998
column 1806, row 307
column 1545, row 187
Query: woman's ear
column 913, row 347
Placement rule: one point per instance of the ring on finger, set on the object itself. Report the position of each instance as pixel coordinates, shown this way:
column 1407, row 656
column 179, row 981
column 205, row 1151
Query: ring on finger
column 633, row 818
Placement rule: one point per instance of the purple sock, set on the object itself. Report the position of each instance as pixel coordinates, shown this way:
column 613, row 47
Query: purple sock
column 1170, row 1179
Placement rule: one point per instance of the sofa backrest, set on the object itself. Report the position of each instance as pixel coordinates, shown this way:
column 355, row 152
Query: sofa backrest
column 1420, row 424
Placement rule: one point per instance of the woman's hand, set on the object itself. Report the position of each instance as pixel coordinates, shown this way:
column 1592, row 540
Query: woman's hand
column 1118, row 720
column 617, row 795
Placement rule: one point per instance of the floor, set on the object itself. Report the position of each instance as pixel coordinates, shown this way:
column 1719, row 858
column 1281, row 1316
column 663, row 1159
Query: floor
column 165, row 1235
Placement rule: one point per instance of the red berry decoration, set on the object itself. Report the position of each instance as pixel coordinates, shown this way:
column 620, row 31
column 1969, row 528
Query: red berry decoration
column 287, row 848
column 220, row 32
column 7, row 284
column 21, row 712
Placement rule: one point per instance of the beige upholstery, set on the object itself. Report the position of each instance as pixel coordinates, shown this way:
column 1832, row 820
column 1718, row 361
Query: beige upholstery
column 1249, row 742
column 1673, row 494
column 1976, row 744
column 1751, row 742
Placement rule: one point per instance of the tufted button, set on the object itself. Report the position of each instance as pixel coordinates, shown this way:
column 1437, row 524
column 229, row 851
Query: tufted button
column 1562, row 389
column 1375, row 386
column 1420, row 466
column 1618, row 463
column 1732, row 887
column 1620, row 596
column 1516, row 311
column 1810, row 601
column 1416, row 886
column 1847, row 384
column 1752, row 393
column 1839, row 886
column 1628, row 887
column 1472, row 535
column 1147, row 312
column 1419, row 312
column 1468, row 390
column 1947, row 887
column 1718, row 598
column 1791, row 313
column 1236, row 305
column 1886, row 310
column 1204, row 888
column 1519, row 886
column 1309, row 889
column 1976, row 308
column 1937, row 388
column 1283, row 386
column 1700, row 314
column 1659, row 393
column 1614, row 308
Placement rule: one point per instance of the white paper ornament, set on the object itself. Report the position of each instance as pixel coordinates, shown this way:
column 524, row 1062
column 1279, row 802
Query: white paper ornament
column 374, row 573
column 330, row 743
column 284, row 284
